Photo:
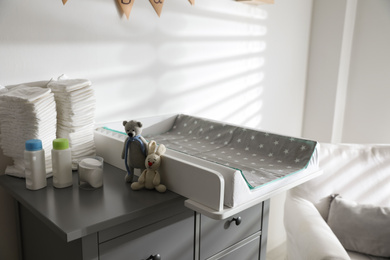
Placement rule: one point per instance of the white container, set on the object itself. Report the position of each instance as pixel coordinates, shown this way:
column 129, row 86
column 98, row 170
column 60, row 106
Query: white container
column 35, row 166
column 62, row 163
column 91, row 172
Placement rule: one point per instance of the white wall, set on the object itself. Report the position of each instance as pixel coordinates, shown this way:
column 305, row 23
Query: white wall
column 219, row 59
column 366, row 113
column 365, row 102
column 324, row 67
column 217, row 52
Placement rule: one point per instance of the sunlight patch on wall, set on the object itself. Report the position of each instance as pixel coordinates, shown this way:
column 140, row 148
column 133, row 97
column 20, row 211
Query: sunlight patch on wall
column 180, row 53
column 233, row 9
column 208, row 75
column 209, row 62
column 123, row 102
column 205, row 60
column 213, row 63
column 202, row 26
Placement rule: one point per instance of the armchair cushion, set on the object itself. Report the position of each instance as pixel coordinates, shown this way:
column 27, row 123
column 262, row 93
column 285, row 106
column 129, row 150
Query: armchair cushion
column 362, row 228
column 360, row 172
column 308, row 235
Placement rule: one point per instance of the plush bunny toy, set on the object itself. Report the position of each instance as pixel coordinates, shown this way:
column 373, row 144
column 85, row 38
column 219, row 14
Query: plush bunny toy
column 150, row 178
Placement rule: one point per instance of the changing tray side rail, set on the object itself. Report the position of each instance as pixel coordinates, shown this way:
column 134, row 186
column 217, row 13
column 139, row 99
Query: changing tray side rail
column 228, row 212
column 203, row 185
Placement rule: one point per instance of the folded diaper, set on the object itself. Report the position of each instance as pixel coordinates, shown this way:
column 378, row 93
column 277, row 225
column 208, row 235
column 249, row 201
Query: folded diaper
column 26, row 112
column 40, row 84
column 47, row 110
column 26, row 94
column 76, row 104
column 3, row 89
column 69, row 85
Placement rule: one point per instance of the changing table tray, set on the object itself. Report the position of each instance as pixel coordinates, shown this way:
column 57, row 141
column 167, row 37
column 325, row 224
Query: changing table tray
column 221, row 168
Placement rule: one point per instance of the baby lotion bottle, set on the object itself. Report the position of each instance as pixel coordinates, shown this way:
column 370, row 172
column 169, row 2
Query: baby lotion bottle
column 62, row 163
column 35, row 166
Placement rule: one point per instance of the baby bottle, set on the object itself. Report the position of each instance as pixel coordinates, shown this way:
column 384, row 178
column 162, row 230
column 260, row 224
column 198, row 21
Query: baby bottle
column 35, row 167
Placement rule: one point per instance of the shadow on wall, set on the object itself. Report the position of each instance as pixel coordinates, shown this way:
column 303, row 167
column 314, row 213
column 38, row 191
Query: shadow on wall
column 204, row 60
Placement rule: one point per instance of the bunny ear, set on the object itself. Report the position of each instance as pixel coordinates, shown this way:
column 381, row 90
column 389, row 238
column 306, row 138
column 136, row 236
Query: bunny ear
column 161, row 149
column 152, row 147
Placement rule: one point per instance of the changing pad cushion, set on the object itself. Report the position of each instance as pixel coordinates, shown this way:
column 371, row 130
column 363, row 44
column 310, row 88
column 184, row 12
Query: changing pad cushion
column 261, row 157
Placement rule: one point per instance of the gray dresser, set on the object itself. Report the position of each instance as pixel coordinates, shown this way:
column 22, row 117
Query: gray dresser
column 115, row 222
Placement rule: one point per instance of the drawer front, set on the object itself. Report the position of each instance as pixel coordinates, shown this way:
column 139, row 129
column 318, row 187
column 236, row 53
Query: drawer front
column 250, row 251
column 216, row 235
column 143, row 221
column 171, row 239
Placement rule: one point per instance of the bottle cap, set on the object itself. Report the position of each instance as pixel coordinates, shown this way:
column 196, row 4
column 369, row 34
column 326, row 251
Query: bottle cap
column 60, row 144
column 33, row 145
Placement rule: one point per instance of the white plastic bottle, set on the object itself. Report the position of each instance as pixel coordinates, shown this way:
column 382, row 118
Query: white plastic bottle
column 35, row 166
column 62, row 163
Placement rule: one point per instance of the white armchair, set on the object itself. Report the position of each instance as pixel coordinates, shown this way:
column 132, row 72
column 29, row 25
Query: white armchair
column 359, row 173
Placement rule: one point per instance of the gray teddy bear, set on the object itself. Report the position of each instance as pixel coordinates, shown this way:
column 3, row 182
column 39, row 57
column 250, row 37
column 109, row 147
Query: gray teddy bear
column 135, row 148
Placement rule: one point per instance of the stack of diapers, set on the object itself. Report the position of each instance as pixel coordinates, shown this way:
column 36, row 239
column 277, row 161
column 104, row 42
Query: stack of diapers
column 76, row 104
column 26, row 112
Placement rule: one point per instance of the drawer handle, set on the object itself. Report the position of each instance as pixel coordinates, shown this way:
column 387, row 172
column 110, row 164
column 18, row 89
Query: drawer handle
column 237, row 220
column 154, row 257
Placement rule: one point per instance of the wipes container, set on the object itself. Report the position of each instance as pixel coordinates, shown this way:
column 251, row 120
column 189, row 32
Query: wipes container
column 91, row 172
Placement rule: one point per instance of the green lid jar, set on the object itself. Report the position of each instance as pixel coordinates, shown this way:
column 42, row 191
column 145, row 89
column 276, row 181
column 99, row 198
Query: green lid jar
column 61, row 158
column 60, row 144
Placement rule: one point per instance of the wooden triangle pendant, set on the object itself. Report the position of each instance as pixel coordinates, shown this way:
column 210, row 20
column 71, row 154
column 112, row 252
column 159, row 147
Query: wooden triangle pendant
column 192, row 2
column 64, row 2
column 157, row 5
column 126, row 6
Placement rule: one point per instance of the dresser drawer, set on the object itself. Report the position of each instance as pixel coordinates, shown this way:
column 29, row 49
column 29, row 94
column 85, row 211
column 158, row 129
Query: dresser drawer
column 247, row 251
column 172, row 238
column 217, row 235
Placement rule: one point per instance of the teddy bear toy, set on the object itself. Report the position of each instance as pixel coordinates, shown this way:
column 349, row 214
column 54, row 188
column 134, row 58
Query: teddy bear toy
column 150, row 177
column 134, row 148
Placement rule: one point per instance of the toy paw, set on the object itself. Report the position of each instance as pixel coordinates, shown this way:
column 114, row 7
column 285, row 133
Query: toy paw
column 128, row 178
column 161, row 188
column 136, row 186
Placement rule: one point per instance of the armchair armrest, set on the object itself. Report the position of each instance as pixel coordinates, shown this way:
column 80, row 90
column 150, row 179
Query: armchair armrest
column 308, row 235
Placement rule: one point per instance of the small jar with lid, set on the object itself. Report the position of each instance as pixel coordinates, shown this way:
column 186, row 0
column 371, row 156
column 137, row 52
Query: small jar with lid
column 35, row 166
column 62, row 163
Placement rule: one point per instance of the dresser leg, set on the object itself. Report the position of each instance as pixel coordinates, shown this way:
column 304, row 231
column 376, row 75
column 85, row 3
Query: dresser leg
column 264, row 230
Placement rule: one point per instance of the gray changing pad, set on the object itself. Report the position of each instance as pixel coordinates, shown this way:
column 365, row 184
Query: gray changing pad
column 261, row 157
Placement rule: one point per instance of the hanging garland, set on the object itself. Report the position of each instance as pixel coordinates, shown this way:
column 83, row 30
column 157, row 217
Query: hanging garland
column 126, row 5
